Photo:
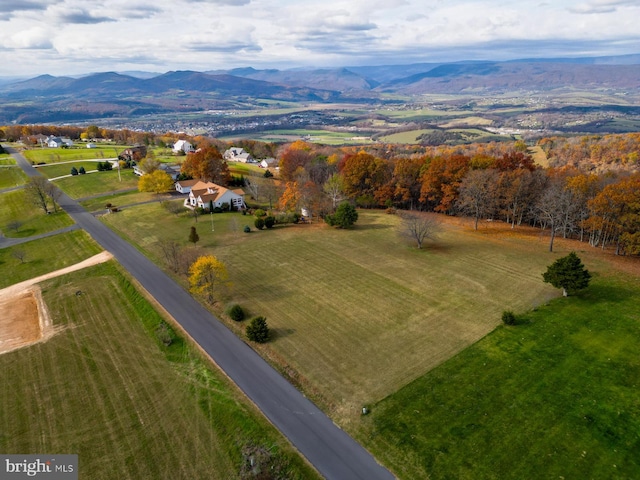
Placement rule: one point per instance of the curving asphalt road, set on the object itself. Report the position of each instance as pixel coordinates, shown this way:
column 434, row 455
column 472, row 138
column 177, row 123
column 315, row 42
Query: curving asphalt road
column 328, row 448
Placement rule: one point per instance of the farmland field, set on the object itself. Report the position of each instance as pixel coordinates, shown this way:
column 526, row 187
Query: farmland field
column 325, row 137
column 358, row 314
column 554, row 396
column 106, row 388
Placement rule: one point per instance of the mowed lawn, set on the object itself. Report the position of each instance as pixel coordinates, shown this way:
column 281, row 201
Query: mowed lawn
column 357, row 314
column 555, row 396
column 45, row 255
column 54, row 155
column 53, row 170
column 99, row 183
column 17, row 206
column 11, row 177
column 105, row 388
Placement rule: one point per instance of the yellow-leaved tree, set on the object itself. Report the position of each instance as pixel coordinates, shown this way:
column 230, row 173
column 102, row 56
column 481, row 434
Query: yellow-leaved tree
column 206, row 275
column 158, row 181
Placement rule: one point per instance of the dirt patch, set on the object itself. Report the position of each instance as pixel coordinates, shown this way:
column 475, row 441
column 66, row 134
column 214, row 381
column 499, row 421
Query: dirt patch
column 24, row 318
column 19, row 322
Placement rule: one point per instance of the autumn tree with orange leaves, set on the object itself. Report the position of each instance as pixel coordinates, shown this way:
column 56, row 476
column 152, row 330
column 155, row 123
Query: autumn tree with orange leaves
column 207, row 165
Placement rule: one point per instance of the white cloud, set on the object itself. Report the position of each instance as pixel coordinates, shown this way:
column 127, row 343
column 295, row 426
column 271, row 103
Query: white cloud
column 205, row 34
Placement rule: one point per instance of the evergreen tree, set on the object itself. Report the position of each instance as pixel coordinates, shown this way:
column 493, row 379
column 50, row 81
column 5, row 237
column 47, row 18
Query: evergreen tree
column 193, row 236
column 567, row 273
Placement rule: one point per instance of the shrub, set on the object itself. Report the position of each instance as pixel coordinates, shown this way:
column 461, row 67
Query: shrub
column 236, row 313
column 217, row 210
column 165, row 334
column 258, row 331
column 82, row 171
column 260, row 213
column 508, row 317
column 268, row 174
column 259, row 223
column 269, row 221
column 345, row 216
column 74, row 171
column 246, row 229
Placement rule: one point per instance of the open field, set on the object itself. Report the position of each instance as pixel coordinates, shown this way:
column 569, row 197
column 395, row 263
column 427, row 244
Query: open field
column 324, row 137
column 6, row 159
column 105, row 387
column 14, row 206
column 98, row 183
column 553, row 397
column 358, row 314
column 53, row 170
column 118, row 199
column 79, row 152
column 11, row 177
column 45, row 255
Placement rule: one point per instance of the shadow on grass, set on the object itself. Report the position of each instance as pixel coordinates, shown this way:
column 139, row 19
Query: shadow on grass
column 276, row 333
column 597, row 293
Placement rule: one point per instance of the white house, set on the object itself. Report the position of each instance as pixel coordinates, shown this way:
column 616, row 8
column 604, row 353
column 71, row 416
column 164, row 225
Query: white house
column 184, row 186
column 236, row 154
column 57, row 142
column 269, row 163
column 204, row 192
column 182, row 146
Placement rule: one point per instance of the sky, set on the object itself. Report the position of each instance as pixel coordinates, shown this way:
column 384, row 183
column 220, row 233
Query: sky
column 73, row 37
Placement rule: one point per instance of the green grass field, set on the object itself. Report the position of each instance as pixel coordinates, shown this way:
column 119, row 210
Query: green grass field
column 358, row 314
column 53, row 170
column 11, row 177
column 104, row 387
column 45, row 255
column 6, row 159
column 80, row 152
column 117, row 199
column 552, row 397
column 15, row 206
column 323, row 137
column 100, row 183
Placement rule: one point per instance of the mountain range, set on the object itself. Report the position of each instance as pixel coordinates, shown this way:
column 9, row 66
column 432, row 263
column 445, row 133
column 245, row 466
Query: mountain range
column 48, row 99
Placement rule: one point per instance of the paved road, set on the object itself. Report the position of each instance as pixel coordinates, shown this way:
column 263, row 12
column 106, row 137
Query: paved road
column 331, row 451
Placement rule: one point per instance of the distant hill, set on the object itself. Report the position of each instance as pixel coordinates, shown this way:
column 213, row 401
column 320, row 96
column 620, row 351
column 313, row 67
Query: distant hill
column 110, row 94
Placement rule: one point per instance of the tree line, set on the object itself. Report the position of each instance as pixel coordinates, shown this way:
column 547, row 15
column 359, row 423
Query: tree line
column 602, row 209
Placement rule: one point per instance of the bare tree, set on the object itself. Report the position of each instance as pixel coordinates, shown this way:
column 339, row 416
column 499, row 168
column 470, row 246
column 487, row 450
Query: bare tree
column 19, row 254
column 478, row 194
column 419, row 227
column 254, row 187
column 172, row 252
column 14, row 225
column 36, row 189
column 334, row 188
column 557, row 209
column 54, row 194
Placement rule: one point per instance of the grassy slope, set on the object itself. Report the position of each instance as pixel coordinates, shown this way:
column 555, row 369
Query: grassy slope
column 16, row 206
column 45, row 255
column 11, row 177
column 359, row 313
column 98, row 183
column 130, row 407
column 553, row 397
